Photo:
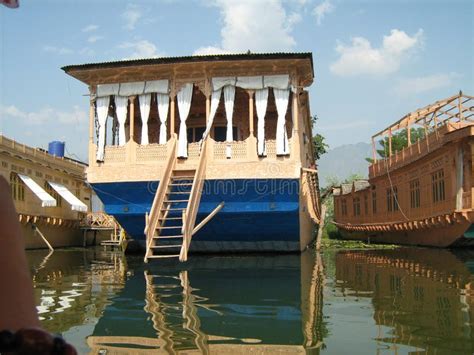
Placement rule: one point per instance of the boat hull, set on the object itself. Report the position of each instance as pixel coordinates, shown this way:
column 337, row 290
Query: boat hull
column 259, row 214
column 457, row 234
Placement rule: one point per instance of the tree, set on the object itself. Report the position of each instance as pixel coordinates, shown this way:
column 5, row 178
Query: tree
column 399, row 141
column 319, row 146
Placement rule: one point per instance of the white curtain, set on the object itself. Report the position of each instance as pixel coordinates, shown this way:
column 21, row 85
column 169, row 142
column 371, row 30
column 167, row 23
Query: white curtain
column 215, row 98
column 102, row 113
column 261, row 99
column 185, row 96
column 163, row 102
column 281, row 102
column 229, row 96
column 144, row 101
column 121, row 104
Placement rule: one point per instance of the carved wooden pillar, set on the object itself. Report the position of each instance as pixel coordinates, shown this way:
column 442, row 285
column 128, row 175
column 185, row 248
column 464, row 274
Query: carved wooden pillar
column 172, row 115
column 91, row 118
column 132, row 118
column 374, row 152
column 251, row 114
column 409, row 135
column 390, row 142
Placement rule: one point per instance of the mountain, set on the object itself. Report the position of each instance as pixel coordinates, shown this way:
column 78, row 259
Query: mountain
column 343, row 161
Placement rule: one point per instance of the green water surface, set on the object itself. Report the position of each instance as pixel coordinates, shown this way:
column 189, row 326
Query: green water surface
column 408, row 300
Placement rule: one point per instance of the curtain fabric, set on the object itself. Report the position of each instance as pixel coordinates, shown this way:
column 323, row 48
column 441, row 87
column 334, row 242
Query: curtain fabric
column 229, row 96
column 163, row 102
column 102, row 113
column 215, row 98
column 261, row 100
column 184, row 104
column 281, row 101
column 121, row 104
column 144, row 101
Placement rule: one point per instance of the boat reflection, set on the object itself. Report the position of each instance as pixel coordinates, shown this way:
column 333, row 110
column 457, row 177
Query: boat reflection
column 424, row 296
column 72, row 287
column 263, row 304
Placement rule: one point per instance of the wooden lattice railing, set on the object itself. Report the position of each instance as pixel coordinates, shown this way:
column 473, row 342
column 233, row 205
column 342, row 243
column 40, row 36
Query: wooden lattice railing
column 312, row 183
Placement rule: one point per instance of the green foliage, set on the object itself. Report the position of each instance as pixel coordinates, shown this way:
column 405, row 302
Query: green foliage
column 399, row 141
column 319, row 146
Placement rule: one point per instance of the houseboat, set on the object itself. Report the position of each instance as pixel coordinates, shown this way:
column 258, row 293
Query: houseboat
column 49, row 192
column 214, row 148
column 420, row 194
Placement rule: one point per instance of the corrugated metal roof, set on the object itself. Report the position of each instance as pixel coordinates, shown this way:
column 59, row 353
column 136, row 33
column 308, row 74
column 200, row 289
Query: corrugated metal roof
column 191, row 59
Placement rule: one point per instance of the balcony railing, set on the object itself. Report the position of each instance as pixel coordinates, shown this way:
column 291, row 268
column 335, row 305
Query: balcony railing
column 152, row 154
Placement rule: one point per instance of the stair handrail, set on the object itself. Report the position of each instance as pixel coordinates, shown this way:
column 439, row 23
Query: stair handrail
column 151, row 219
column 190, row 214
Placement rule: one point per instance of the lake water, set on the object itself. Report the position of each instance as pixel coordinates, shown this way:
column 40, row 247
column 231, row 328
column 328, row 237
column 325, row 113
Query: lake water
column 408, row 300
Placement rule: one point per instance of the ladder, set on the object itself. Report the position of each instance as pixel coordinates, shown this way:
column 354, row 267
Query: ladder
column 170, row 224
column 168, row 237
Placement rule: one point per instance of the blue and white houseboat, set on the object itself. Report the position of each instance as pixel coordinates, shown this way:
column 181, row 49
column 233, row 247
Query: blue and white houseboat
column 205, row 153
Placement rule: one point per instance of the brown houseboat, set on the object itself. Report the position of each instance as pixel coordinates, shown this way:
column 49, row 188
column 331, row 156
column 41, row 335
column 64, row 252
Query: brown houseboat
column 421, row 194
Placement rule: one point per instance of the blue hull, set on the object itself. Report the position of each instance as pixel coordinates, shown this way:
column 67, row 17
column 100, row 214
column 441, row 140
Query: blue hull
column 259, row 214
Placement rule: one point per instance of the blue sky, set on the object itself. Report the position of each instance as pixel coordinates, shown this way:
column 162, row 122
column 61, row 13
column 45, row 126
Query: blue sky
column 374, row 60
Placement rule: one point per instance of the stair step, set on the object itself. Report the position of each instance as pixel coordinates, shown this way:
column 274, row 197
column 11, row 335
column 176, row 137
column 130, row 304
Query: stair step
column 170, row 218
column 167, row 237
column 163, row 256
column 170, row 227
column 176, row 201
column 173, row 209
column 182, row 184
column 179, row 192
column 182, row 177
column 166, row 246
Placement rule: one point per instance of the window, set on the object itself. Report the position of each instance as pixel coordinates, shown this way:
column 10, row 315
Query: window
column 366, row 204
column 53, row 193
column 356, row 206
column 220, row 133
column 344, row 207
column 437, row 185
column 18, row 187
column 415, row 193
column 389, row 200
column 374, row 202
column 392, row 199
column 4, row 164
column 395, row 198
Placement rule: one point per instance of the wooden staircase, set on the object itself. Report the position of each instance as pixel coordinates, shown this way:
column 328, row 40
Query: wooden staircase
column 168, row 238
column 170, row 224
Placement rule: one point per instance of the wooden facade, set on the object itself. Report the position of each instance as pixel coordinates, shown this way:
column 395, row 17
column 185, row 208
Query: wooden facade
column 423, row 193
column 59, row 224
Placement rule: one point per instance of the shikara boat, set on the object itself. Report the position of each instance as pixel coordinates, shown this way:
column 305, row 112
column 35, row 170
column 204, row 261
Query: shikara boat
column 421, row 194
column 213, row 148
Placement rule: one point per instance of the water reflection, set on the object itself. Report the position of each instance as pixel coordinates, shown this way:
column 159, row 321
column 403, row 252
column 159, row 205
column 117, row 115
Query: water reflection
column 425, row 297
column 386, row 301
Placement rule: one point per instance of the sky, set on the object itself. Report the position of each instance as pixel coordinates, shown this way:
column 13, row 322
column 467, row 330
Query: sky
column 374, row 61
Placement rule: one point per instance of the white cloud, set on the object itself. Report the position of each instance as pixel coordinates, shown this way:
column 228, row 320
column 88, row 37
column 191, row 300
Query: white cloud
column 57, row 50
column 322, row 10
column 411, row 86
column 131, row 16
column 90, row 28
column 259, row 26
column 87, row 51
column 140, row 49
column 45, row 115
column 361, row 58
column 210, row 50
column 93, row 39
